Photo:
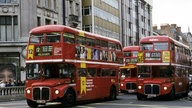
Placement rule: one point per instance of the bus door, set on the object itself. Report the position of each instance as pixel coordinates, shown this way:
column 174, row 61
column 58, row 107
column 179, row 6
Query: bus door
column 178, row 80
column 87, row 84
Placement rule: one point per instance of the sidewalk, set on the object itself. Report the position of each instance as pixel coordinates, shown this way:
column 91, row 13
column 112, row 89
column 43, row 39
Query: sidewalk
column 12, row 98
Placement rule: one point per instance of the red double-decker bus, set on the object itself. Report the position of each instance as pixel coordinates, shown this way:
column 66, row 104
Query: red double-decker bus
column 68, row 65
column 129, row 71
column 163, row 68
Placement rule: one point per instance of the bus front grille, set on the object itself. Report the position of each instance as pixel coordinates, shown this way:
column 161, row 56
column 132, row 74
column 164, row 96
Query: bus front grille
column 152, row 89
column 131, row 86
column 41, row 93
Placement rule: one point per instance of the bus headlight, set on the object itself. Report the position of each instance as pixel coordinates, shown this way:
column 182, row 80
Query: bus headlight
column 28, row 91
column 139, row 87
column 56, row 91
column 121, row 84
column 165, row 88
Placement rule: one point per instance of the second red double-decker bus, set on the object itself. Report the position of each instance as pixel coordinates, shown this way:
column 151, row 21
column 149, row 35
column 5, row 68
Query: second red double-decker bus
column 68, row 65
column 163, row 68
column 129, row 71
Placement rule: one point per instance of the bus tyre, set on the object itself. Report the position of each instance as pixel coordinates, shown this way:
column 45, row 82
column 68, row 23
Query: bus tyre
column 113, row 94
column 68, row 99
column 31, row 103
column 141, row 96
column 171, row 95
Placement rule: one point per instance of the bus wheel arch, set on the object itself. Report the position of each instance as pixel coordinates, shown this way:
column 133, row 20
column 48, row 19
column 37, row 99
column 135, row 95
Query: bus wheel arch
column 141, row 96
column 31, row 103
column 113, row 93
column 171, row 95
column 69, row 97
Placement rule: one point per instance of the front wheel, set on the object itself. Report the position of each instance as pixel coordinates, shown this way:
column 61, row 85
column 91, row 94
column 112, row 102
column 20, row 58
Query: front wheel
column 31, row 103
column 68, row 99
column 113, row 94
column 141, row 96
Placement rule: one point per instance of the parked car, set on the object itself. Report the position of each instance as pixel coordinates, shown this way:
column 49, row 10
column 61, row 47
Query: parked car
column 190, row 81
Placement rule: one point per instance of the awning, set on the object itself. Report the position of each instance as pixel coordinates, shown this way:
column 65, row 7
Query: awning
column 129, row 66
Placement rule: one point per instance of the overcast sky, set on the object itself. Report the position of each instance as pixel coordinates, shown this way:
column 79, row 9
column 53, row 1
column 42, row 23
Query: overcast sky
column 173, row 12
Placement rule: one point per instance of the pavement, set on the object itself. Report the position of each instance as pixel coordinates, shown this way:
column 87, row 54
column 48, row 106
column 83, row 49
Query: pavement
column 12, row 98
column 22, row 97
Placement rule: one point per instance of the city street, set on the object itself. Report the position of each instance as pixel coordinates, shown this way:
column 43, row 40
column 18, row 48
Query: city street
column 123, row 101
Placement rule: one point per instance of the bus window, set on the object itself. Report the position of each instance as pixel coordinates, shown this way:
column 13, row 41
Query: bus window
column 111, row 46
column 134, row 53
column 69, row 38
column 127, row 54
column 90, row 42
column 105, row 72
column 99, row 72
column 104, row 44
column 161, row 46
column 82, row 72
column 81, row 40
column 118, row 47
column 91, row 72
column 112, row 72
column 53, row 37
column 125, row 73
column 97, row 43
column 147, row 46
column 36, row 38
column 143, row 71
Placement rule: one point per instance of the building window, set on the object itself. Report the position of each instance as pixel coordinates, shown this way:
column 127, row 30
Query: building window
column 6, row 1
column 47, row 21
column 54, row 4
column 38, row 2
column 8, row 28
column 48, row 3
column 87, row 28
column 77, row 9
column 38, row 21
column 129, row 9
column 86, row 10
column 129, row 25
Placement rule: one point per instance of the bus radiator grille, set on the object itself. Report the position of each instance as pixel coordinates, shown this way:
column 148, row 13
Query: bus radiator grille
column 152, row 89
column 131, row 86
column 41, row 93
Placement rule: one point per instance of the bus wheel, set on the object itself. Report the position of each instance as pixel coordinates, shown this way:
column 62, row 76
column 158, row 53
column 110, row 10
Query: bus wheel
column 69, row 98
column 141, row 97
column 171, row 95
column 113, row 94
column 31, row 103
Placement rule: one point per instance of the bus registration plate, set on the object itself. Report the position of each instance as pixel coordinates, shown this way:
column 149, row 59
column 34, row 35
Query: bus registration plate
column 152, row 95
column 41, row 101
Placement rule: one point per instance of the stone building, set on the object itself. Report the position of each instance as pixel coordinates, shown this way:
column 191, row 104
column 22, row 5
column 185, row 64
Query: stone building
column 136, row 20
column 101, row 17
column 18, row 17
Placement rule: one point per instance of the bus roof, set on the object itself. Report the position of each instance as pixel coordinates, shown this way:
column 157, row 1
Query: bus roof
column 131, row 48
column 161, row 39
column 60, row 28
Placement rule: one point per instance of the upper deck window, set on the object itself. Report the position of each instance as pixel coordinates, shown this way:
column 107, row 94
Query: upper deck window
column 134, row 53
column 69, row 38
column 127, row 54
column 53, row 37
column 147, row 46
column 104, row 44
column 81, row 40
column 161, row 46
column 111, row 46
column 36, row 38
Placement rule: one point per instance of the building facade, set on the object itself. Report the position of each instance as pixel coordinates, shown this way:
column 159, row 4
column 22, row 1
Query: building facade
column 136, row 20
column 101, row 17
column 18, row 17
